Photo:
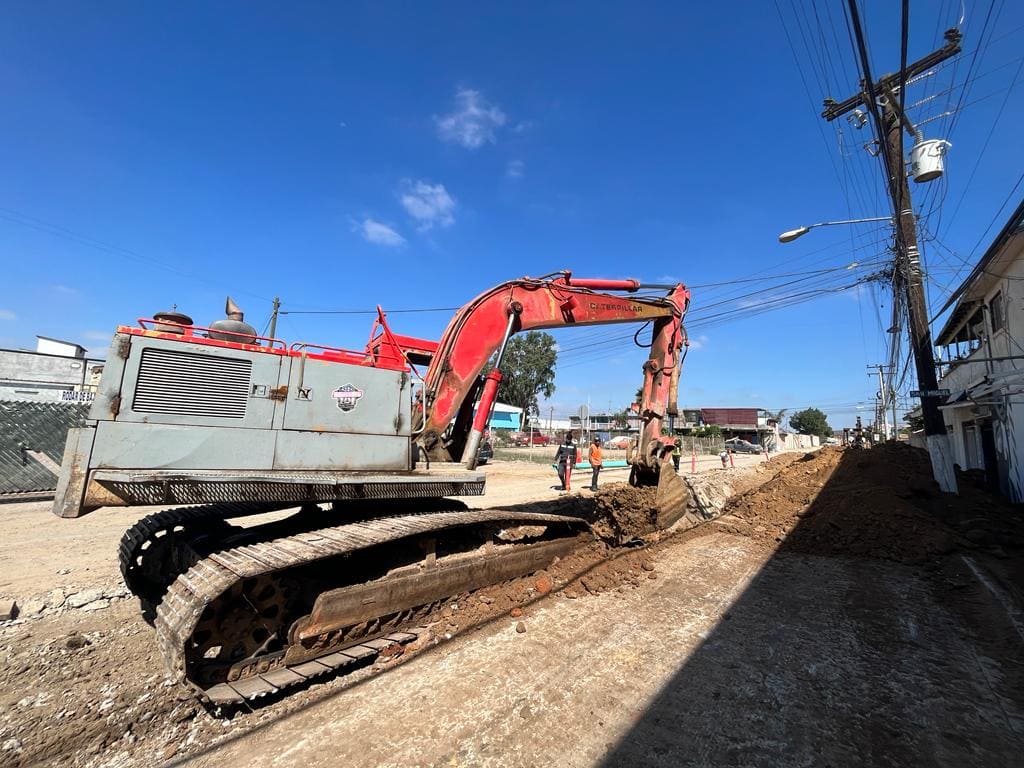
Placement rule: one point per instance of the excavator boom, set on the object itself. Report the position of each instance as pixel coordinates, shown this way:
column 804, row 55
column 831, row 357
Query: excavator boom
column 480, row 330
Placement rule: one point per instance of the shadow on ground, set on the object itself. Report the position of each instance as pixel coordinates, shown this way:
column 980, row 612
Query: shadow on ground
column 864, row 640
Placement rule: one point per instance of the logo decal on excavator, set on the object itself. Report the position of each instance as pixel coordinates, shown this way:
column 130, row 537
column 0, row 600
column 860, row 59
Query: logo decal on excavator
column 346, row 397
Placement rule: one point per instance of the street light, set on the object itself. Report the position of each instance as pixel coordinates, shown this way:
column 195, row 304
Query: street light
column 793, row 234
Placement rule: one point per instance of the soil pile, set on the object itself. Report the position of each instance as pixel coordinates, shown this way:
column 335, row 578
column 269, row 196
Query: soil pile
column 879, row 503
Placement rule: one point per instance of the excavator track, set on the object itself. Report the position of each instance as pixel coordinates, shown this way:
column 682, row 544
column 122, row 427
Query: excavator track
column 229, row 625
column 147, row 550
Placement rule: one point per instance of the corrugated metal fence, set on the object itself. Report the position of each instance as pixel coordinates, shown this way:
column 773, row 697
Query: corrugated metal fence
column 31, row 427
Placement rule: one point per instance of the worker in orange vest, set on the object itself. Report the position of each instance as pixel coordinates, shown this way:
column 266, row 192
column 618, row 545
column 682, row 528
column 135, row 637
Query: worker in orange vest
column 594, row 457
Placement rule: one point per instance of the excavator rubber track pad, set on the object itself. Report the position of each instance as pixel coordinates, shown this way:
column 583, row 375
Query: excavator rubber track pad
column 189, row 595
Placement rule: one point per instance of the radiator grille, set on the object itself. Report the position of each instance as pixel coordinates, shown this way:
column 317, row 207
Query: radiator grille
column 186, row 384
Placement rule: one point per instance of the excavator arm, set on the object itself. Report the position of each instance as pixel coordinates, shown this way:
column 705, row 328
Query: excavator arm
column 480, row 331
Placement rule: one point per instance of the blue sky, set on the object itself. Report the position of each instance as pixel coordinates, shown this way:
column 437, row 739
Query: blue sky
column 412, row 156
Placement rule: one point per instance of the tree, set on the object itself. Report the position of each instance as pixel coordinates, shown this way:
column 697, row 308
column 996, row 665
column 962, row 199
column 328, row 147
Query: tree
column 777, row 416
column 915, row 422
column 528, row 370
column 811, row 421
column 708, row 430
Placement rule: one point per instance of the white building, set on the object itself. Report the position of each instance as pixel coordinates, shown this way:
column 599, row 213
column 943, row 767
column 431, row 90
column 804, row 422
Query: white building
column 56, row 371
column 982, row 354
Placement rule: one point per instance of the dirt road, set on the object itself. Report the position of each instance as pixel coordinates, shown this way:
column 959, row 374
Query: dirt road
column 692, row 668
column 789, row 632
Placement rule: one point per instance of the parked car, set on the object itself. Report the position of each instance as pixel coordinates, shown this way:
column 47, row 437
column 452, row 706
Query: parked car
column 736, row 445
column 485, row 453
column 618, row 443
column 533, row 437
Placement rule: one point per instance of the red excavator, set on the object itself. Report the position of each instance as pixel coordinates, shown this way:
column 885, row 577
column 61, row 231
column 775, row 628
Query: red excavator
column 312, row 523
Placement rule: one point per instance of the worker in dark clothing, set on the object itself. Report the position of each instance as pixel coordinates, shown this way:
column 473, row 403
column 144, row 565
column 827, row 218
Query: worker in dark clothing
column 677, row 450
column 566, row 459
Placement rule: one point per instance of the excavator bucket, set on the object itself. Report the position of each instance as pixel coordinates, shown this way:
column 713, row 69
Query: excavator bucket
column 671, row 497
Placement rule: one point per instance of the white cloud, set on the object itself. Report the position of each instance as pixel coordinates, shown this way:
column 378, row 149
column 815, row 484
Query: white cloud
column 97, row 335
column 699, row 343
column 515, row 169
column 429, row 204
column 6, row 314
column 378, row 233
column 65, row 289
column 473, row 122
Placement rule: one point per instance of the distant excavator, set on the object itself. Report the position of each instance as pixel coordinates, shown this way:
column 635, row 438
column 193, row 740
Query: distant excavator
column 225, row 426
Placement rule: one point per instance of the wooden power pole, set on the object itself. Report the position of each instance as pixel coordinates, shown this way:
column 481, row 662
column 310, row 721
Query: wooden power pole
column 889, row 124
column 273, row 316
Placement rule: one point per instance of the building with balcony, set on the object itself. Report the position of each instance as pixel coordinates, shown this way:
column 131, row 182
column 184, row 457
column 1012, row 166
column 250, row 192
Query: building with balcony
column 981, row 354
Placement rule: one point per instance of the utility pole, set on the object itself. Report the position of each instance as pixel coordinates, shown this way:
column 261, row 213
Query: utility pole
column 895, row 424
column 273, row 316
column 884, row 393
column 908, row 260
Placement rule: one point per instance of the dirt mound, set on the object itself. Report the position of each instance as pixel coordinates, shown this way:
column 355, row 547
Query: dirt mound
column 879, row 503
column 620, row 513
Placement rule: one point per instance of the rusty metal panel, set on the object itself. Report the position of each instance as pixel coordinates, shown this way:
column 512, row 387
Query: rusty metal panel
column 71, row 483
column 108, row 392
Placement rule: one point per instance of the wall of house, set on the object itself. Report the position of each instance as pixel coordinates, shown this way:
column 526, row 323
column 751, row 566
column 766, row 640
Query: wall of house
column 1005, row 408
column 33, row 376
column 46, row 346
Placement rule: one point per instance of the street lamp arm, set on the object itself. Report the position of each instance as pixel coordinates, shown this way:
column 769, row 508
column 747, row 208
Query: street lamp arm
column 850, row 221
column 793, row 234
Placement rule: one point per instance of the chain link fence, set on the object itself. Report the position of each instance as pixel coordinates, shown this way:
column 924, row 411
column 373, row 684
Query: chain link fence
column 32, row 437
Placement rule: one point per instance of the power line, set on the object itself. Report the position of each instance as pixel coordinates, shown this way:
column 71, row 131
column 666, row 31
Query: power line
column 974, row 58
column 994, row 218
column 988, row 138
column 31, row 222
